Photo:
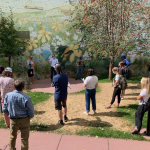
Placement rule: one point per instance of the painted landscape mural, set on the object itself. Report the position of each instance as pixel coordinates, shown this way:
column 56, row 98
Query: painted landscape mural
column 46, row 22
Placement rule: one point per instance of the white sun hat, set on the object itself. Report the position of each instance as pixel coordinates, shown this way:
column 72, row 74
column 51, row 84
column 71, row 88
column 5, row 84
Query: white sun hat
column 8, row 69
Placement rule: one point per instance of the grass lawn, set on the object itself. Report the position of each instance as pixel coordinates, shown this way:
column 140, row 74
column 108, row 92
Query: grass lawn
column 93, row 129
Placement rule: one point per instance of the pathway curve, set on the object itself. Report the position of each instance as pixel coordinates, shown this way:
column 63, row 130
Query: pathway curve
column 44, row 85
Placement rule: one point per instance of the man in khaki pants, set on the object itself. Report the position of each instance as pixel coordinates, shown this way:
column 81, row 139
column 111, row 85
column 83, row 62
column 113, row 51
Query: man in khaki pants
column 20, row 110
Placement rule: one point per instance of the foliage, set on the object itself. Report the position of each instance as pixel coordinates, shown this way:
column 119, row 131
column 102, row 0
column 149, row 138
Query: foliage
column 110, row 27
column 10, row 45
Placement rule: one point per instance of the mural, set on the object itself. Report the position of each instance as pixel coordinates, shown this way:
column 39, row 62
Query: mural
column 49, row 29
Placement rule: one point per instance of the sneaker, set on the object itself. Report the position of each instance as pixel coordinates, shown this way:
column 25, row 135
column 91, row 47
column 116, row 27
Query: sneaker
column 76, row 79
column 60, row 122
column 86, row 113
column 94, row 112
column 65, row 118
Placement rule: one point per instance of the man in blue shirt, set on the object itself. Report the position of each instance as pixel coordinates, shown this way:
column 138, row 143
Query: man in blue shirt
column 60, row 82
column 123, row 58
column 20, row 110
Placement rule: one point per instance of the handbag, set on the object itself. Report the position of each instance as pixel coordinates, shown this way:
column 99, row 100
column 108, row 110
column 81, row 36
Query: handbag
column 147, row 103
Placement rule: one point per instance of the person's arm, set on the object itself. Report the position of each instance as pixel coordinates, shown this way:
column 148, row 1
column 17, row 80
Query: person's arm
column 85, row 83
column 139, row 97
column 30, row 108
column 116, row 82
column 5, row 110
column 127, row 63
column 96, row 85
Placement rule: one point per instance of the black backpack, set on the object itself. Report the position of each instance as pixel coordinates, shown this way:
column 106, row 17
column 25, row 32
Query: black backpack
column 128, row 73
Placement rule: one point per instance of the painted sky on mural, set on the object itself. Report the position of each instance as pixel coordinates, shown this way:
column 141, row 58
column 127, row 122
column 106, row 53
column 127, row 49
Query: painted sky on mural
column 19, row 5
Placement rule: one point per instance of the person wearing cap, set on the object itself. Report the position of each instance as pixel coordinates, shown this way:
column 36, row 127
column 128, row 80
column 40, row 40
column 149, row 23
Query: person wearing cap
column 53, row 62
column 31, row 65
column 60, row 82
column 7, row 84
column 80, row 67
column 19, row 108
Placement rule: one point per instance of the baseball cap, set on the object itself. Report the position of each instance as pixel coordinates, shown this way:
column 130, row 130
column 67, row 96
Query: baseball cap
column 8, row 69
column 57, row 66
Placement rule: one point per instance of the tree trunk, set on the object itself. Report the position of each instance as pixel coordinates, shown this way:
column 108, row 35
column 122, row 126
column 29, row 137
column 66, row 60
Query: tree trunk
column 9, row 61
column 110, row 67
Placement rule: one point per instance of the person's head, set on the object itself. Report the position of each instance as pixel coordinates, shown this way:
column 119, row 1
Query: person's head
column 123, row 56
column 7, row 72
column 53, row 56
column 81, row 57
column 145, row 84
column 19, row 84
column 122, row 64
column 58, row 68
column 91, row 72
column 1, row 69
column 115, row 70
column 30, row 58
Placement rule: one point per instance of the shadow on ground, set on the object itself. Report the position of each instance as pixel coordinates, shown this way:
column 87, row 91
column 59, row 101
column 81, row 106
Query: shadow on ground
column 133, row 106
column 38, row 112
column 134, row 87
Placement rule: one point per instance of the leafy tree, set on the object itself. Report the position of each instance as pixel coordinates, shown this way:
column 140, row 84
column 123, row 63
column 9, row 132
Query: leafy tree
column 110, row 27
column 10, row 45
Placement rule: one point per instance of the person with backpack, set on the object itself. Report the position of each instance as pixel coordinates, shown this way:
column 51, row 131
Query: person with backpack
column 144, row 104
column 122, row 72
column 117, row 90
column 80, row 67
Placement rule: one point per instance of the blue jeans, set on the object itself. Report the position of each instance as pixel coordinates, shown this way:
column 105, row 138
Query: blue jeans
column 79, row 69
column 90, row 94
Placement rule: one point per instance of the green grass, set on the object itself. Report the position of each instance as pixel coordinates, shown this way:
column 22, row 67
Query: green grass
column 130, row 114
column 109, row 133
column 135, row 79
column 38, row 97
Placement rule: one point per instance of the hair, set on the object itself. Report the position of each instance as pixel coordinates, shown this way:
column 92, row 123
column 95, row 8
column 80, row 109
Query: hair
column 91, row 72
column 19, row 84
column 7, row 74
column 1, row 69
column 122, row 66
column 145, row 84
column 115, row 69
column 59, row 70
column 53, row 55
column 30, row 58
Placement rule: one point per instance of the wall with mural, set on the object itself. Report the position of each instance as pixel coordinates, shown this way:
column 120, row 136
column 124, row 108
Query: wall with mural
column 49, row 29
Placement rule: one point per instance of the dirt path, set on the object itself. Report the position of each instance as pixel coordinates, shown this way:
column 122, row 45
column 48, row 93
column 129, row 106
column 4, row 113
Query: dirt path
column 46, row 114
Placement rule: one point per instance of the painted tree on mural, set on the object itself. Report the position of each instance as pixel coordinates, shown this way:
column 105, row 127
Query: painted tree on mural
column 109, row 26
column 10, row 45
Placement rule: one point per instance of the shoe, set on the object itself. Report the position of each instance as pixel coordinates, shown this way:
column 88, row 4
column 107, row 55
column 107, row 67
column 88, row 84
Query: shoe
column 76, row 79
column 60, row 122
column 94, row 112
column 65, row 118
column 86, row 113
column 8, row 127
column 135, row 131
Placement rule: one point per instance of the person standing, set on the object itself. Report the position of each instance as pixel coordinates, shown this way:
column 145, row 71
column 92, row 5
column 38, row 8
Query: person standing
column 1, row 70
column 53, row 62
column 117, row 91
column 20, row 110
column 143, row 107
column 90, row 85
column 31, row 65
column 80, row 67
column 60, row 82
column 7, row 85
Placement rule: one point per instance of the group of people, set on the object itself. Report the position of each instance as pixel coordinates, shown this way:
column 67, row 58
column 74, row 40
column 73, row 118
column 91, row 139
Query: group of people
column 18, row 109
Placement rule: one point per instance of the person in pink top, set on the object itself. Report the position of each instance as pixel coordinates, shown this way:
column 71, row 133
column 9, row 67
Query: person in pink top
column 7, row 85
